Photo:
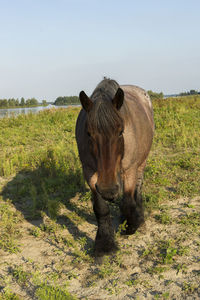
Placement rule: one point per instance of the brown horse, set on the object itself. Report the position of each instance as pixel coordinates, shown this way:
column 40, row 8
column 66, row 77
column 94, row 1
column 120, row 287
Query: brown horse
column 114, row 133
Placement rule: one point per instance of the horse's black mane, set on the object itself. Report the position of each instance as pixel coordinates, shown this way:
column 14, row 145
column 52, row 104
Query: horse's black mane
column 103, row 117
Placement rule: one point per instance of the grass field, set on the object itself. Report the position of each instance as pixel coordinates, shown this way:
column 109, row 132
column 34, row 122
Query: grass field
column 47, row 225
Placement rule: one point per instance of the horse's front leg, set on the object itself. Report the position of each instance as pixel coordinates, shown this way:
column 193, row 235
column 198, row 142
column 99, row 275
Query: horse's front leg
column 105, row 241
column 132, row 208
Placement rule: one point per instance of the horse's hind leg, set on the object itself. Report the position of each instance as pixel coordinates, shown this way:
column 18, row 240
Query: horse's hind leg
column 105, row 242
column 138, row 189
column 132, row 208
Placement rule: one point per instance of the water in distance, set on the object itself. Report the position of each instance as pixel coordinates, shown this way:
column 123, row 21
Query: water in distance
column 25, row 110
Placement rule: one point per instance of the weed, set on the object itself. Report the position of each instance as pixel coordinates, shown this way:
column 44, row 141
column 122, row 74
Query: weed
column 112, row 287
column 157, row 269
column 189, row 287
column 168, row 253
column 168, row 282
column 163, row 252
column 165, row 295
column 9, row 231
column 7, row 294
column 122, row 228
column 164, row 218
column 49, row 226
column 189, row 205
column 48, row 292
column 106, row 269
column 181, row 268
column 20, row 275
column 132, row 282
column 36, row 231
column 191, row 219
column 86, row 197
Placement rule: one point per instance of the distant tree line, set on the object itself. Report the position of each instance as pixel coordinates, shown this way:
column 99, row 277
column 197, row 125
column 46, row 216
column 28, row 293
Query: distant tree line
column 191, row 92
column 154, row 95
column 12, row 102
column 66, row 100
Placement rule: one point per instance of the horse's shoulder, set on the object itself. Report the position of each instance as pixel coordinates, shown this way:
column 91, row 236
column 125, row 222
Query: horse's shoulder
column 136, row 92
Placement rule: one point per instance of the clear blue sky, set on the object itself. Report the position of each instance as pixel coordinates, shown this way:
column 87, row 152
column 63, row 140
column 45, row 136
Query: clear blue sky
column 52, row 48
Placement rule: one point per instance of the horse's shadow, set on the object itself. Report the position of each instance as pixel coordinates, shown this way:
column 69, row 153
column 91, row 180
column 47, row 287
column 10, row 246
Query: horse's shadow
column 44, row 190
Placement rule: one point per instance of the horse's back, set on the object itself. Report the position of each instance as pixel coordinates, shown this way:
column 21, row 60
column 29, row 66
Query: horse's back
column 137, row 91
column 137, row 95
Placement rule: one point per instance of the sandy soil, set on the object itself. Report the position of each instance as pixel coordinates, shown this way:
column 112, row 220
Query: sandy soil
column 161, row 261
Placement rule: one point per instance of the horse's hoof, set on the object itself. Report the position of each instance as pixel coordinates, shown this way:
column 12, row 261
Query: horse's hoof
column 132, row 229
column 99, row 256
column 99, row 252
column 98, row 260
column 128, row 231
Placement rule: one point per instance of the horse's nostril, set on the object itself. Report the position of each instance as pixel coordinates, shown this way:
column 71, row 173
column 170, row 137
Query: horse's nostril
column 108, row 192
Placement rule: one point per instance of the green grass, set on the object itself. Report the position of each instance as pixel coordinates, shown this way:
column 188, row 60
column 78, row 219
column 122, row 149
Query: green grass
column 164, row 254
column 9, row 227
column 47, row 292
column 173, row 168
column 42, row 290
column 41, row 176
column 9, row 295
column 39, row 152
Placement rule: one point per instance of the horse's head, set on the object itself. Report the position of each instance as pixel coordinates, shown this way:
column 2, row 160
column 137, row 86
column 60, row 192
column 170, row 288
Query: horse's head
column 104, row 127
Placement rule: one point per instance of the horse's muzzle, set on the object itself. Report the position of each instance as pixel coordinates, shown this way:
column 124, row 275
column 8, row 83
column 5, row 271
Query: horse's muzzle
column 108, row 193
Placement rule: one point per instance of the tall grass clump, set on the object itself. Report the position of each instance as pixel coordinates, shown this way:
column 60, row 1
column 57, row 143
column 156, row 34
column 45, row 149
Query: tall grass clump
column 27, row 139
column 173, row 168
column 9, row 231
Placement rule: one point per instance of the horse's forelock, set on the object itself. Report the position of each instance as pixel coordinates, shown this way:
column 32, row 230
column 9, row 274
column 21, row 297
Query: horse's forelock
column 104, row 118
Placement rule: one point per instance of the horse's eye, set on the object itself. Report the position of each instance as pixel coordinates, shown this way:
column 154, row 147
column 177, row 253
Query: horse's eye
column 121, row 132
column 88, row 134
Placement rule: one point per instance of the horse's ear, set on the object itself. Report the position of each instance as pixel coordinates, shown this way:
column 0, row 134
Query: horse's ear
column 85, row 101
column 118, row 99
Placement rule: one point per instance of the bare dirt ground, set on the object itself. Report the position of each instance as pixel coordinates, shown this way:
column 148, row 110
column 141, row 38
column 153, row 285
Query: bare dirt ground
column 160, row 261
